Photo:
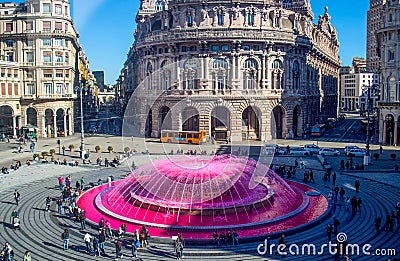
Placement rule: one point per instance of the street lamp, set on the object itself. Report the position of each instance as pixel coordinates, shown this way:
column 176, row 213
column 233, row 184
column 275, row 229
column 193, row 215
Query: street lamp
column 80, row 88
column 367, row 156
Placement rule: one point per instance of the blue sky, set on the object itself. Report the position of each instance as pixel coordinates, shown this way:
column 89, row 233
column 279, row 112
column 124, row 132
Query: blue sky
column 106, row 30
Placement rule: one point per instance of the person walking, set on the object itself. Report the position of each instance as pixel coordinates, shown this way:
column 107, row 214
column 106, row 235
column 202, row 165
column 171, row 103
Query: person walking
column 82, row 219
column 65, row 238
column 59, row 205
column 378, row 221
column 357, row 185
column 102, row 240
column 380, row 149
column 135, row 243
column 182, row 244
column 27, row 256
column 118, row 249
column 96, row 251
column 88, row 238
column 8, row 252
column 178, row 247
column 329, row 229
column 17, row 197
column 48, row 203
column 342, row 193
column 334, row 178
column 82, row 183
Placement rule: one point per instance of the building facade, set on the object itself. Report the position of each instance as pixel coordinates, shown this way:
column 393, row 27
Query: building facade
column 353, row 90
column 258, row 69
column 388, row 37
column 374, row 23
column 38, row 48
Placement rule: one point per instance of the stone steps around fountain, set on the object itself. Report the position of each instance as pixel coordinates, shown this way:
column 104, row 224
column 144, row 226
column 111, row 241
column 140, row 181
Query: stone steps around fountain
column 46, row 245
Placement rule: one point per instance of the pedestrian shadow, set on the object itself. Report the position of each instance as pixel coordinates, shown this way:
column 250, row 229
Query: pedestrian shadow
column 40, row 209
column 158, row 252
column 8, row 225
column 8, row 202
column 50, row 244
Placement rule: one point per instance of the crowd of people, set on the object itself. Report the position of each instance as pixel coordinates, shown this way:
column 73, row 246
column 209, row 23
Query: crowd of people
column 228, row 238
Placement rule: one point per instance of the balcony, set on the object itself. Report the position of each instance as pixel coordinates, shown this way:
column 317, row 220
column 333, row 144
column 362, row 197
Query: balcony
column 57, row 96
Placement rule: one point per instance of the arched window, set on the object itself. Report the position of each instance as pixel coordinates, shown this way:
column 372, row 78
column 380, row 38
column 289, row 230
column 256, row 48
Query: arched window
column 277, row 73
column 220, row 18
column 190, row 74
column 250, row 18
column 250, row 74
column 391, row 82
column 165, row 79
column 220, row 71
column 189, row 20
column 149, row 76
column 159, row 6
column 296, row 75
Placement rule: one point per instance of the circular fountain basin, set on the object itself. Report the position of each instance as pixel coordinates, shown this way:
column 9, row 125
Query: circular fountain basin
column 169, row 200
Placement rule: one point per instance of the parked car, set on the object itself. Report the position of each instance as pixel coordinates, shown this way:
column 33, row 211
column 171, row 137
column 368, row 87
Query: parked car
column 357, row 152
column 347, row 148
column 273, row 149
column 312, row 148
column 329, row 152
column 298, row 151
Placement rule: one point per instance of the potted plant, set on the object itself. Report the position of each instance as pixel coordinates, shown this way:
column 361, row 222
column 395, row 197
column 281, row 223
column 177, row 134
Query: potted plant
column 71, row 147
column 52, row 152
column 97, row 149
column 110, row 149
column 44, row 154
column 393, row 156
column 376, row 156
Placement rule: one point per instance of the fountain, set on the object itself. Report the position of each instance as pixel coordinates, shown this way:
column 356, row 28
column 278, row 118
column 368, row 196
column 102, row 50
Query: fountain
column 199, row 194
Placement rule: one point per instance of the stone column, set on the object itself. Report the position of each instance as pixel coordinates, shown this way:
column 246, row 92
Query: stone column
column 395, row 133
column 384, row 132
column 65, row 125
column 14, row 119
column 54, row 126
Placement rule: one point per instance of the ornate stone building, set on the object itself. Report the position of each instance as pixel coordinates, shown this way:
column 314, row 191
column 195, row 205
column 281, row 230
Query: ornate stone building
column 259, row 69
column 374, row 22
column 38, row 50
column 388, row 37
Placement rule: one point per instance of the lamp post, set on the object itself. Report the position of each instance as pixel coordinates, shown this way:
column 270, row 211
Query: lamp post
column 82, row 153
column 367, row 157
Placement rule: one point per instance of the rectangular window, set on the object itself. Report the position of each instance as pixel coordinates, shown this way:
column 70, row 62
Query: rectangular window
column 59, row 88
column 215, row 48
column 225, row 48
column 29, row 42
column 48, row 73
column 66, row 57
column 16, row 89
column 29, row 74
column 59, row 73
column 66, row 10
column 10, row 43
column 10, row 57
column 9, row 27
column 46, row 8
column 59, row 57
column 66, row 43
column 184, row 49
column 29, row 57
column 46, row 42
column 28, row 25
column 47, row 57
column 66, row 88
column 46, row 26
column 48, row 88
column 66, row 27
column 193, row 48
column 58, row 26
column 3, row 89
column 10, row 87
column 58, row 9
column 30, row 90
column 58, row 42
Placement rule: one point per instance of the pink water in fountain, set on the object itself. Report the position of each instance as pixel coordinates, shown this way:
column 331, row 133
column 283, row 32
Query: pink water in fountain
column 202, row 194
